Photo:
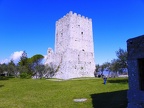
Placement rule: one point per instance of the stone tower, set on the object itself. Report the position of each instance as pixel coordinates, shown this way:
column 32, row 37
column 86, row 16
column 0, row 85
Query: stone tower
column 74, row 48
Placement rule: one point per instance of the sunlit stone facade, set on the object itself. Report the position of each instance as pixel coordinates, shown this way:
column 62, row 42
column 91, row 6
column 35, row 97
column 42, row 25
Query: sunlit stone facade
column 74, row 47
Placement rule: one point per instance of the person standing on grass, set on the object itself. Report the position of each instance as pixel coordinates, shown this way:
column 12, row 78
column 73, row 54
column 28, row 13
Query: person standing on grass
column 105, row 79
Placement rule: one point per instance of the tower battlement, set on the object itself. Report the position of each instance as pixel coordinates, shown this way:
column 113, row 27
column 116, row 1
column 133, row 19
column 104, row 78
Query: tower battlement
column 73, row 14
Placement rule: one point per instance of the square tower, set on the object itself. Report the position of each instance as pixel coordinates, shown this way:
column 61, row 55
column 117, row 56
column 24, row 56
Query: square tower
column 74, row 48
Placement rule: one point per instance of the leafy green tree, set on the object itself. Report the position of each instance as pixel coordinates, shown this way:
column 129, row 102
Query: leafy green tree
column 104, row 66
column 23, row 60
column 115, row 67
column 97, row 69
column 40, row 70
column 24, row 65
column 36, row 59
column 50, row 70
column 122, row 57
column 4, row 67
column 1, row 69
column 35, row 65
column 11, row 68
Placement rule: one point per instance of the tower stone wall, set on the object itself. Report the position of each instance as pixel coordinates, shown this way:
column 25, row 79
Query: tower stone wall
column 74, row 48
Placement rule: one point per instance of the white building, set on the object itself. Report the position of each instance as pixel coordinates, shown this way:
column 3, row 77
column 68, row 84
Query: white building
column 74, row 48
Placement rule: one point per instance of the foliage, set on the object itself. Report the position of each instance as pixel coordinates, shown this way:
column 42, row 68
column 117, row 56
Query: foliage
column 122, row 58
column 24, row 65
column 117, row 65
column 28, row 93
column 35, row 61
column 40, row 70
column 50, row 70
column 97, row 68
column 23, row 60
column 25, row 75
column 35, row 65
column 3, row 67
column 11, row 68
column 31, row 66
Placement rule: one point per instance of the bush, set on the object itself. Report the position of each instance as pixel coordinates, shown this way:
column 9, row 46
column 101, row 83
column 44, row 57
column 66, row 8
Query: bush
column 25, row 75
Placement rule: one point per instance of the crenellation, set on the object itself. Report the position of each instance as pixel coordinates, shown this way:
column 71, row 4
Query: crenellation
column 79, row 15
column 90, row 19
column 83, row 17
column 70, row 12
column 75, row 14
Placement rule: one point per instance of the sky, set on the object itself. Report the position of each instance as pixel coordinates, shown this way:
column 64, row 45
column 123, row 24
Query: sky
column 29, row 25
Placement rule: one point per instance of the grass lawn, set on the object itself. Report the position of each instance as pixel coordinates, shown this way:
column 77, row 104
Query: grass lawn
column 31, row 93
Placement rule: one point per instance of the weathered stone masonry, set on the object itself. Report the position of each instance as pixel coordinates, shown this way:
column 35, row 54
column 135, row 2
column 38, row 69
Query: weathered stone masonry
column 135, row 48
column 74, row 48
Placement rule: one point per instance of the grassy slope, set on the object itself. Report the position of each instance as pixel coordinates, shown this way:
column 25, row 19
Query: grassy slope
column 29, row 93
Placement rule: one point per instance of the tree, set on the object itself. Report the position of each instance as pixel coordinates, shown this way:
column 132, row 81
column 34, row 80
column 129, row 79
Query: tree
column 11, row 68
column 23, row 59
column 104, row 66
column 24, row 65
column 3, row 68
column 40, row 70
column 35, row 65
column 3, row 71
column 122, row 59
column 50, row 70
column 97, row 69
column 115, row 66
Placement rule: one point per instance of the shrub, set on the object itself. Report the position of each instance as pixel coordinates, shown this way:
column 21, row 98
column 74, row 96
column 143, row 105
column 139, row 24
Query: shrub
column 25, row 75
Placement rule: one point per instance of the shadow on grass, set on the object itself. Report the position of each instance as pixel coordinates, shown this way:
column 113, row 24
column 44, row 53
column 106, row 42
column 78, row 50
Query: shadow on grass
column 122, row 81
column 6, row 78
column 1, row 85
column 117, row 99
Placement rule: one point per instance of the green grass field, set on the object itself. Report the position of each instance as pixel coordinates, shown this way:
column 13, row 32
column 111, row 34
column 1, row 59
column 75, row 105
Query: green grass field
column 31, row 93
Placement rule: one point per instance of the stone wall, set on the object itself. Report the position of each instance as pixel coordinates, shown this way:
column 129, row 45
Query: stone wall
column 135, row 48
column 74, row 48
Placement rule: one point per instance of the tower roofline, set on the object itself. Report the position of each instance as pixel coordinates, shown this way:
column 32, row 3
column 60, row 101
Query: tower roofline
column 71, row 13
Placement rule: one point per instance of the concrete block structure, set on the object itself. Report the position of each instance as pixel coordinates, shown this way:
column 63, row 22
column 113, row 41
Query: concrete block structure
column 135, row 48
column 74, row 47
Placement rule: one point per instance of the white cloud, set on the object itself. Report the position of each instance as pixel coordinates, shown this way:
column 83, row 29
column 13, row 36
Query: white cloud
column 14, row 56
column 4, row 61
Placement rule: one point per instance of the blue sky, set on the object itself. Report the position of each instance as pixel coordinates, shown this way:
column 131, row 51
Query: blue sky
column 30, row 25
